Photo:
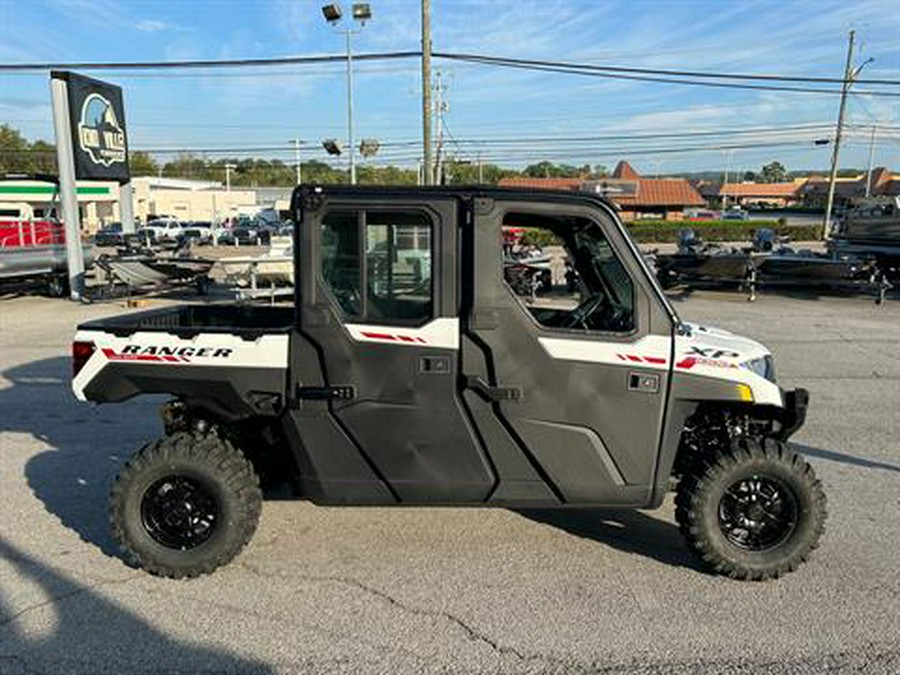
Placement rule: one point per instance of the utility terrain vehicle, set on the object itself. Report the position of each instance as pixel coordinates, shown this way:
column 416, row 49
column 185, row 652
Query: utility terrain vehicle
column 408, row 371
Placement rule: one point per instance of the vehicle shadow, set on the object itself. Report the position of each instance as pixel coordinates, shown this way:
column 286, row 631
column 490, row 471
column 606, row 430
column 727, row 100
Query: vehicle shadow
column 833, row 456
column 626, row 530
column 90, row 634
column 87, row 444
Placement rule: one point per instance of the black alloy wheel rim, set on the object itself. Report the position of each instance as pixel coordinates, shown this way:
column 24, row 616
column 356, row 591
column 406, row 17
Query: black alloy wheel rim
column 757, row 513
column 179, row 512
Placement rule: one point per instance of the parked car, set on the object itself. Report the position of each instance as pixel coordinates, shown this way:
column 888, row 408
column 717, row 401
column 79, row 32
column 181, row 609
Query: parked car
column 736, row 215
column 110, row 235
column 703, row 215
column 165, row 230
column 198, row 232
column 241, row 236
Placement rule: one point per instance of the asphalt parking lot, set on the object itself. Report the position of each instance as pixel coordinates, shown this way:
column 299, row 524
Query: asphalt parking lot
column 371, row 590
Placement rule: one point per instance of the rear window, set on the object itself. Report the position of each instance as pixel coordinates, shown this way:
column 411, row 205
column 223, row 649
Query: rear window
column 377, row 265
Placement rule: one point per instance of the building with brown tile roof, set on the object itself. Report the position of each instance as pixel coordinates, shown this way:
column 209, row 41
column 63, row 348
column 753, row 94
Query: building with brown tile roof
column 545, row 183
column 637, row 197
column 849, row 189
column 757, row 194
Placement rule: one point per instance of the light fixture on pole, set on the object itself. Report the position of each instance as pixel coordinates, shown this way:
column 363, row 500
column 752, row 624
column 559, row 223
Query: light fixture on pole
column 332, row 146
column 361, row 12
column 368, row 147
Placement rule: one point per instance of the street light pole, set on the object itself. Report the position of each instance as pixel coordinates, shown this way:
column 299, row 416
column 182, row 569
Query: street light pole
column 871, row 161
column 349, row 34
column 725, row 182
column 228, row 168
column 361, row 12
column 296, row 142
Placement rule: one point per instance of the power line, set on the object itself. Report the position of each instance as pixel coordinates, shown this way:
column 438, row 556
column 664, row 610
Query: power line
column 589, row 71
column 206, row 63
column 667, row 72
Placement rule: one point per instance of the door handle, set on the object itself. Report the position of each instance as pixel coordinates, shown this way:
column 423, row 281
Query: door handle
column 495, row 394
column 644, row 382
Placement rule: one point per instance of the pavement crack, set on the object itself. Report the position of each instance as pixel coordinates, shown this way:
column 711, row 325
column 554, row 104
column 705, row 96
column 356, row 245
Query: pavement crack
column 470, row 632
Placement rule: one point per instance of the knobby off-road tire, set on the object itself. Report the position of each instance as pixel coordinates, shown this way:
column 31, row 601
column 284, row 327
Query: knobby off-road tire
column 185, row 505
column 721, row 504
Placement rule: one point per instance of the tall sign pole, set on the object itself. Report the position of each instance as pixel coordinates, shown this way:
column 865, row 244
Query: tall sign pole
column 126, row 208
column 91, row 144
column 65, row 160
column 426, row 92
column 848, row 76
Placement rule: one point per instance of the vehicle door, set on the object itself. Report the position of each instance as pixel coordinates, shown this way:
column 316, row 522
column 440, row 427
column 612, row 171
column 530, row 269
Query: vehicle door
column 378, row 304
column 578, row 352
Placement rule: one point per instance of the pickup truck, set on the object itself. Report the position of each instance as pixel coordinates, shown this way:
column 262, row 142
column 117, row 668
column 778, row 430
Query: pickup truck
column 406, row 370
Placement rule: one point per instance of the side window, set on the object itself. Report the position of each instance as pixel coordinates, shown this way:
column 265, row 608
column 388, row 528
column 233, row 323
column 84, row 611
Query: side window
column 565, row 273
column 389, row 280
column 340, row 260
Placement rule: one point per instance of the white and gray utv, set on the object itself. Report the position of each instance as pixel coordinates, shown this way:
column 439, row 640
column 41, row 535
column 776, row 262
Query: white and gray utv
column 408, row 370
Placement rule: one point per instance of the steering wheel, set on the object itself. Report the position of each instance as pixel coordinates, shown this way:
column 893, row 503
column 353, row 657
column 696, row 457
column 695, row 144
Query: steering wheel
column 578, row 317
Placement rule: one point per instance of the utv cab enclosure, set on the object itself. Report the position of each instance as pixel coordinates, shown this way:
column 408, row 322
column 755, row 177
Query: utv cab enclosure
column 409, row 370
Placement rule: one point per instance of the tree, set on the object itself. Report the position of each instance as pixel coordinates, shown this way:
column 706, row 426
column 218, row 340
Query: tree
column 773, row 172
column 750, row 176
column 17, row 155
column 546, row 169
column 142, row 164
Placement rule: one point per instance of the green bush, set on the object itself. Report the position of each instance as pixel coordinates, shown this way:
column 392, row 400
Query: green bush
column 666, row 231
column 662, row 231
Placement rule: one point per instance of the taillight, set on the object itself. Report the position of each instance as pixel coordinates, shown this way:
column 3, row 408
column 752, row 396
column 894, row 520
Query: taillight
column 81, row 352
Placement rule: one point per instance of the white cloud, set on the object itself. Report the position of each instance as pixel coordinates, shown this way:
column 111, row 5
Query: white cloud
column 157, row 25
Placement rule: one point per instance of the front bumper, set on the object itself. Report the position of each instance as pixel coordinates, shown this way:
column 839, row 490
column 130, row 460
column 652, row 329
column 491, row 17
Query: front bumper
column 793, row 415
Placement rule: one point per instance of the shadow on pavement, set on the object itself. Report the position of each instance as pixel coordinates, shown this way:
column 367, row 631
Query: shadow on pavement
column 627, row 530
column 845, row 459
column 82, row 632
column 87, row 444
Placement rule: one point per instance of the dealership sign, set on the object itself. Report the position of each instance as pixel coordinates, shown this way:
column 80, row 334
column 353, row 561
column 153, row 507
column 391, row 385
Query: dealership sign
column 97, row 120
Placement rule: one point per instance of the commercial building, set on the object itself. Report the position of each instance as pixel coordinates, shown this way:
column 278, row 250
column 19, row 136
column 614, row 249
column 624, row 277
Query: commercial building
column 189, row 199
column 636, row 196
column 98, row 202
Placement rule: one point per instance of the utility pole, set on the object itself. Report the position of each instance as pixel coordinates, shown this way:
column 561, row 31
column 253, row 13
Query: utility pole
column 440, row 107
column 296, row 142
column 845, row 87
column 228, row 168
column 426, row 90
column 871, row 161
column 480, row 170
column 727, row 154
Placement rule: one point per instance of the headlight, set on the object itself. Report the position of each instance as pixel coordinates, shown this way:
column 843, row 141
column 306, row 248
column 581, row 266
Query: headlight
column 764, row 366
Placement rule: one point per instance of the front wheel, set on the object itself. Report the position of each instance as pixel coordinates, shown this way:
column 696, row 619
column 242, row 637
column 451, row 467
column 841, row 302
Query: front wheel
column 753, row 513
column 185, row 505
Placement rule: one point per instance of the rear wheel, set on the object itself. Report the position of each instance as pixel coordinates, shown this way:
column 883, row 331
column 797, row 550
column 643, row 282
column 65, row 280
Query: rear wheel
column 185, row 505
column 753, row 513
column 57, row 286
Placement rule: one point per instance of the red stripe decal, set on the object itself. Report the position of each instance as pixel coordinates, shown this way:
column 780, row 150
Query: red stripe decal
column 406, row 338
column 687, row 363
column 621, row 357
column 379, row 336
column 654, row 359
column 636, row 359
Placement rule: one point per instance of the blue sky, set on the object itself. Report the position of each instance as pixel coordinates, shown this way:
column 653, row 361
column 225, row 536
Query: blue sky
column 209, row 109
